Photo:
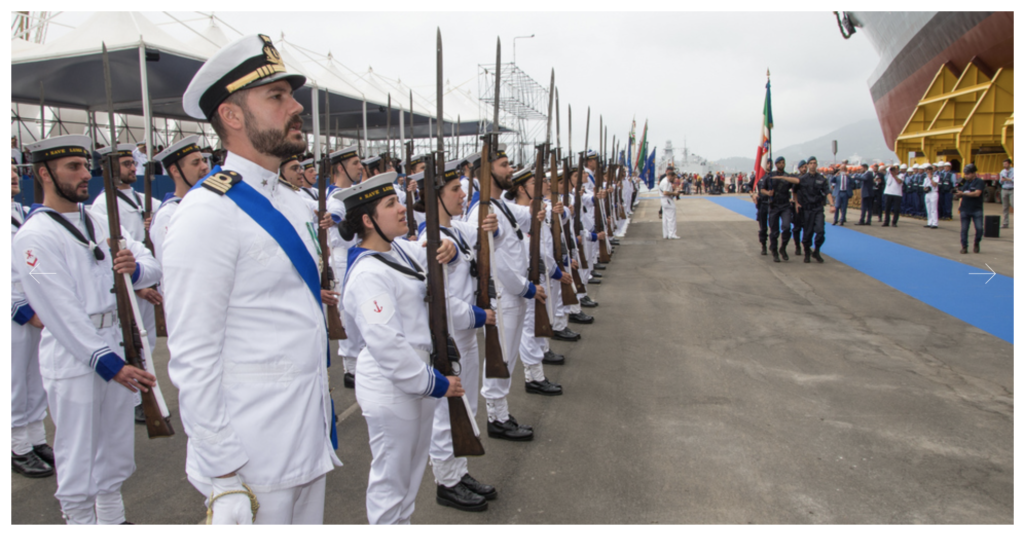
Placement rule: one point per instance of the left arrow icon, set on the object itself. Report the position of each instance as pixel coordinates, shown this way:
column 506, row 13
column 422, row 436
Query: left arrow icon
column 35, row 271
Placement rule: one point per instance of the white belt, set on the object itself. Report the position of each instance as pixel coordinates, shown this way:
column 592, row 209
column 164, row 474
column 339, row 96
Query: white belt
column 104, row 320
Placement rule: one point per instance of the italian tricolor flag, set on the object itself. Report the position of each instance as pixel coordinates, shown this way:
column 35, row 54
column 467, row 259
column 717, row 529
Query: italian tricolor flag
column 763, row 162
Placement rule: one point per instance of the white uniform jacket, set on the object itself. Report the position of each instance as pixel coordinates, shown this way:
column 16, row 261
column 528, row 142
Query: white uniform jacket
column 511, row 258
column 248, row 340
column 388, row 308
column 21, row 311
column 74, row 287
column 161, row 220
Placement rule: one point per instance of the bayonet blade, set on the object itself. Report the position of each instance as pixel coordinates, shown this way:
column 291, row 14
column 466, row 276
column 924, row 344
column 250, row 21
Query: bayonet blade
column 497, row 86
column 551, row 103
column 389, row 129
column 586, row 138
column 315, row 98
column 440, row 101
column 108, row 87
column 558, row 122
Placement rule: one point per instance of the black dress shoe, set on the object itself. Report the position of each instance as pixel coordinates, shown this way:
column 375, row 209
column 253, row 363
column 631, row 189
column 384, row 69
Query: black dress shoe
column 350, row 380
column 551, row 357
column 30, row 465
column 600, row 266
column 595, row 274
column 566, row 335
column 45, row 453
column 483, row 490
column 580, row 317
column 593, row 281
column 614, row 242
column 588, row 302
column 460, row 497
column 509, row 431
column 544, row 387
column 512, row 419
column 140, row 415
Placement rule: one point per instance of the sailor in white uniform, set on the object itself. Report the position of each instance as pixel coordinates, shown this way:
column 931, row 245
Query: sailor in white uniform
column 509, row 265
column 346, row 171
column 309, row 179
column 410, row 194
column 396, row 386
column 531, row 347
column 184, row 162
column 31, row 456
column 560, row 312
column 80, row 347
column 586, row 238
column 291, row 171
column 668, row 206
column 471, row 162
column 247, row 332
column 455, row 487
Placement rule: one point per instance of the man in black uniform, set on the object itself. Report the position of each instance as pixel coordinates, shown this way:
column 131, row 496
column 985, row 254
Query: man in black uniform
column 811, row 197
column 761, row 199
column 797, row 216
column 780, row 213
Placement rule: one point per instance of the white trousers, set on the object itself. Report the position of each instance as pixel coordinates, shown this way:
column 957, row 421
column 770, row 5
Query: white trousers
column 931, row 205
column 298, row 505
column 531, row 349
column 668, row 218
column 400, row 443
column 28, row 398
column 513, row 313
column 94, row 443
column 449, row 470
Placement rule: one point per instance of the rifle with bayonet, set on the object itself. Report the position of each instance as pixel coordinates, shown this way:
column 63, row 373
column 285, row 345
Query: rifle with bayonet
column 410, row 195
column 603, row 254
column 568, row 290
column 465, row 436
column 494, row 357
column 542, row 323
column 570, row 240
column 335, row 329
column 133, row 332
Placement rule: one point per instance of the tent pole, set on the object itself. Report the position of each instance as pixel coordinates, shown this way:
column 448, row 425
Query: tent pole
column 366, row 135
column 146, row 112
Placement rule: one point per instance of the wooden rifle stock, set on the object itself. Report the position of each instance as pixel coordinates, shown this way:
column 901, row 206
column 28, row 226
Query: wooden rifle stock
column 147, row 214
column 541, row 321
column 603, row 256
column 568, row 293
column 577, row 206
column 570, row 241
column 494, row 358
column 156, row 425
column 464, row 439
column 335, row 328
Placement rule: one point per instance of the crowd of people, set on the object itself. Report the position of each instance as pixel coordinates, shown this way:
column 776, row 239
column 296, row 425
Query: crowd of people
column 235, row 267
column 793, row 205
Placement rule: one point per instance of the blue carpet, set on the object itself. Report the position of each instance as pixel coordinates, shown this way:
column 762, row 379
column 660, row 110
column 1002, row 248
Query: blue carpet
column 948, row 286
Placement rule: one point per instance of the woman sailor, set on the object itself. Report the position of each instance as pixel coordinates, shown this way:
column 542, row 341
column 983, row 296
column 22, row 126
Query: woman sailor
column 396, row 386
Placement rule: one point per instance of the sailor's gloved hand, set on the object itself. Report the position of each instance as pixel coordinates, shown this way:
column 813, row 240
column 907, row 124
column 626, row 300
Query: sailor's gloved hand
column 232, row 508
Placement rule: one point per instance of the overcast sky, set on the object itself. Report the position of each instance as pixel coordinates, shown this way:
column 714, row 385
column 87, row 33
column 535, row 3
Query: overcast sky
column 695, row 75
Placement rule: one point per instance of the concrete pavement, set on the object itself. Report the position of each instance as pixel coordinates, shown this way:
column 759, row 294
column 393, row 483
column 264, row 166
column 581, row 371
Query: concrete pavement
column 714, row 387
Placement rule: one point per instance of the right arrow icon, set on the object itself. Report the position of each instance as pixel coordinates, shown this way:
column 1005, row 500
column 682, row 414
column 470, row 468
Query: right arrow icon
column 991, row 275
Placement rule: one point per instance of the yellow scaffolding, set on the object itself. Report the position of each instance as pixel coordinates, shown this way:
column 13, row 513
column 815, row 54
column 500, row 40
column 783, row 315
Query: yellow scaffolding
column 967, row 118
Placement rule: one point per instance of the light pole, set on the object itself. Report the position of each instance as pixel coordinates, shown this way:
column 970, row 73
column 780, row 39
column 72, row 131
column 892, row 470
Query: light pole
column 514, row 45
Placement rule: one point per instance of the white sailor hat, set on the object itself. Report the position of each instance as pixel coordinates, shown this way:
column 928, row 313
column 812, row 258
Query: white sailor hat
column 903, row 167
column 371, row 160
column 451, row 172
column 58, row 147
column 207, row 155
column 179, row 150
column 473, row 160
column 291, row 158
column 521, row 177
column 947, row 163
column 500, row 153
column 416, row 159
column 375, row 188
column 122, row 150
column 344, row 154
column 308, row 163
column 591, row 154
column 248, row 62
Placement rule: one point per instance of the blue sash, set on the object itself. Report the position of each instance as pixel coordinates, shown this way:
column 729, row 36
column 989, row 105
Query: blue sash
column 274, row 223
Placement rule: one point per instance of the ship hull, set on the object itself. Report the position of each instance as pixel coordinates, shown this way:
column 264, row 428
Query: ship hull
column 908, row 65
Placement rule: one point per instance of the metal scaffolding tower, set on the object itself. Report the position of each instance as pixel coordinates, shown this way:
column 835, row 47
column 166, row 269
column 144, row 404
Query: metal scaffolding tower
column 522, row 110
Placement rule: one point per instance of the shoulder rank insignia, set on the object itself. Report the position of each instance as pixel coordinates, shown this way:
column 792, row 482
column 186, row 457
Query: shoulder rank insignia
column 221, row 182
